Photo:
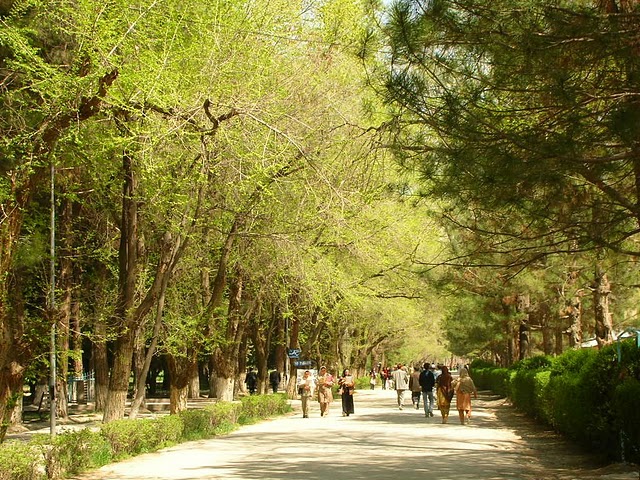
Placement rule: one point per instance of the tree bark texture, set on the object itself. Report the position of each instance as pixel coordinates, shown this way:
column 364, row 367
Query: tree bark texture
column 523, row 304
column 180, row 373
column 601, row 292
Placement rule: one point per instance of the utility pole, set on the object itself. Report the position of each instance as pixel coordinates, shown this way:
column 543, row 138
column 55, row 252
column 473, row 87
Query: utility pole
column 52, row 308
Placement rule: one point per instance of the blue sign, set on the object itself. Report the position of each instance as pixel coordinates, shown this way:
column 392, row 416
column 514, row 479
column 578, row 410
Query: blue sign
column 294, row 353
column 303, row 363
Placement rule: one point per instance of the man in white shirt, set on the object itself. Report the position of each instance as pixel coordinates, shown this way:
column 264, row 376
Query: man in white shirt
column 401, row 382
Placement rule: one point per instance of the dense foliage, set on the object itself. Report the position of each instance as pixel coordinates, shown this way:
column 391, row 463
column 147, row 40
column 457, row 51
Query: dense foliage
column 590, row 396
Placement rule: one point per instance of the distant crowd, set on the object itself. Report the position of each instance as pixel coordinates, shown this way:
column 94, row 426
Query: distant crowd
column 431, row 384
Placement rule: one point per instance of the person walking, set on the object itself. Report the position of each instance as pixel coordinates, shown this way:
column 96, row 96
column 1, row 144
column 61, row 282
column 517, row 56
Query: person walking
column 401, row 383
column 274, row 380
column 305, row 390
column 414, row 386
column 347, row 387
column 325, row 395
column 464, row 388
column 372, row 379
column 444, row 393
column 251, row 380
column 427, row 381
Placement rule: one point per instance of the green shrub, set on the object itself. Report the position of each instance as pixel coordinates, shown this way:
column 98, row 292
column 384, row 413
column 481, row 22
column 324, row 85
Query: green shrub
column 196, row 424
column 626, row 407
column 21, row 461
column 591, row 396
column 523, row 391
column 363, row 383
column 127, row 437
column 495, row 379
column 76, row 451
column 258, row 407
column 72, row 452
column 223, row 417
column 533, row 363
column 480, row 363
column 544, row 406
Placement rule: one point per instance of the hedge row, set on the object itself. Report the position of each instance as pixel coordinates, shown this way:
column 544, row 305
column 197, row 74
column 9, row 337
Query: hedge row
column 590, row 396
column 73, row 452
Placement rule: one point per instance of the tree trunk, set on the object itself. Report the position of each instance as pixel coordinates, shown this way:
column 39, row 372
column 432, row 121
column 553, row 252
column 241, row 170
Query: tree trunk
column 260, row 335
column 66, row 284
column 143, row 371
column 11, row 379
column 226, row 356
column 127, row 317
column 140, row 352
column 15, row 353
column 128, row 275
column 180, row 372
column 178, row 398
column 224, row 388
column 99, row 358
column 523, row 304
column 548, row 329
column 574, row 312
column 241, row 368
column 559, row 347
column 119, row 378
column 194, row 382
column 280, row 353
column 604, row 324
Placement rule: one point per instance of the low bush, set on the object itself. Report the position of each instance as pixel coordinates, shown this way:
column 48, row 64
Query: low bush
column 626, row 407
column 72, row 452
column 591, row 396
column 21, row 461
column 497, row 380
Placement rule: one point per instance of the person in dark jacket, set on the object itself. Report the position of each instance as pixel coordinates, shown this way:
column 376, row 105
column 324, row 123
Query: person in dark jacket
column 427, row 382
column 252, row 381
column 274, row 380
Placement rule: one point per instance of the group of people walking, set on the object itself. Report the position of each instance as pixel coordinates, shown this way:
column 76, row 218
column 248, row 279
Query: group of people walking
column 307, row 387
column 421, row 384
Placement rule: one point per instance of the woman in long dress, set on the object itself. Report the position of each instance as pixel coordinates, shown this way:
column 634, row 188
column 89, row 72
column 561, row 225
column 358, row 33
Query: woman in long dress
column 444, row 390
column 346, row 385
column 464, row 388
column 325, row 395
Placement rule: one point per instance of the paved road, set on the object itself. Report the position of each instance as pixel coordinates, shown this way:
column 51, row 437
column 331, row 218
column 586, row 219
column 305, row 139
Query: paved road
column 378, row 442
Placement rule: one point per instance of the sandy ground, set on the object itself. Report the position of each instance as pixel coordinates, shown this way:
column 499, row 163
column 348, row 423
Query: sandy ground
column 378, row 442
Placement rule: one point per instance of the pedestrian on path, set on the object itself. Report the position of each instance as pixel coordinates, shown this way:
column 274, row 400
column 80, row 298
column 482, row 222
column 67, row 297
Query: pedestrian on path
column 414, row 386
column 427, row 381
column 372, row 379
column 274, row 380
column 444, row 393
column 305, row 389
column 347, row 387
column 384, row 377
column 251, row 380
column 401, row 383
column 464, row 388
column 325, row 395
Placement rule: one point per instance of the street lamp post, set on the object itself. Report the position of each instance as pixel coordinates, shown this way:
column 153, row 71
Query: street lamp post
column 52, row 305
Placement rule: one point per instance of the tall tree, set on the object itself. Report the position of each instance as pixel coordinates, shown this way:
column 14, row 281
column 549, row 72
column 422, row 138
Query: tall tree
column 526, row 106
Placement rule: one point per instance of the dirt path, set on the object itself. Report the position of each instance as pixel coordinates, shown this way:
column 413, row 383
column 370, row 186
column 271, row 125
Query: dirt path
column 378, row 442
